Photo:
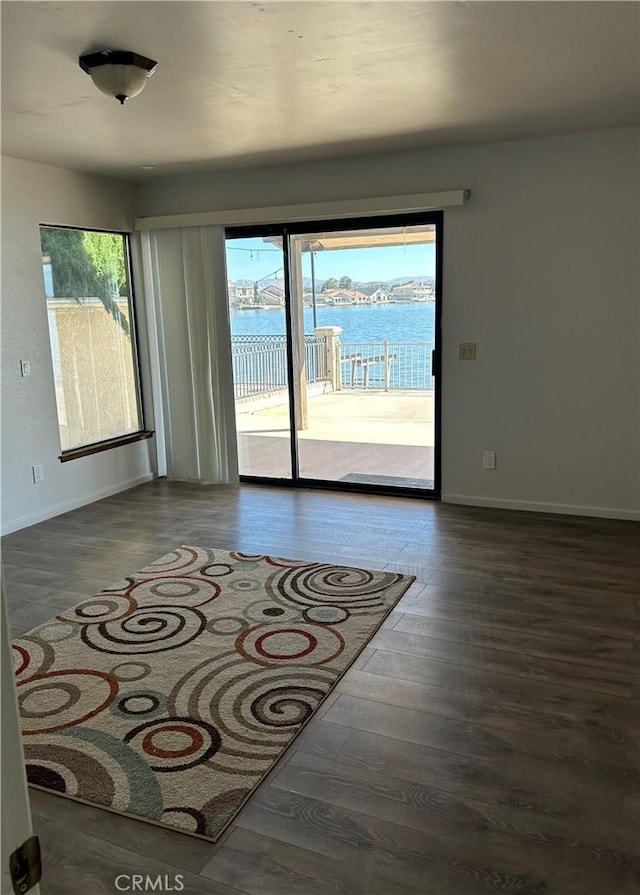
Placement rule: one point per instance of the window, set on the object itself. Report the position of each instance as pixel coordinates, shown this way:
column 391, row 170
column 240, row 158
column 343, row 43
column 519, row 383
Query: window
column 92, row 335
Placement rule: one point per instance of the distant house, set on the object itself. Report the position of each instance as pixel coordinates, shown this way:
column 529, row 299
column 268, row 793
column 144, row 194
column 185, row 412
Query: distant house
column 271, row 296
column 344, row 297
column 424, row 292
column 240, row 293
column 356, row 296
column 405, row 291
column 336, row 297
column 375, row 295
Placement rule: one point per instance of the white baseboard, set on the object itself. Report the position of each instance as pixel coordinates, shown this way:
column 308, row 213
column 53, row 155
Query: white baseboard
column 60, row 508
column 541, row 507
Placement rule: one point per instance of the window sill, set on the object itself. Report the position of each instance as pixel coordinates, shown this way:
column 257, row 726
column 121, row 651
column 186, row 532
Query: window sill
column 99, row 446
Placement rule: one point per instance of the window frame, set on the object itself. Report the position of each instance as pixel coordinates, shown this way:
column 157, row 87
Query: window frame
column 142, row 433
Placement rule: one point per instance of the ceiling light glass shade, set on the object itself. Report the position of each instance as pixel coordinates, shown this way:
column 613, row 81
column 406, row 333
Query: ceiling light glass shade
column 118, row 73
column 119, row 80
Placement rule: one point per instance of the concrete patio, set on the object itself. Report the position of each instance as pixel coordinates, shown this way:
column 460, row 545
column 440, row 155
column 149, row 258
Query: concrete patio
column 372, row 437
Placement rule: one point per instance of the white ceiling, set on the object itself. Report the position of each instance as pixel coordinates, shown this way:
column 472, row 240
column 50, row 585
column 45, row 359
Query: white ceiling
column 242, row 83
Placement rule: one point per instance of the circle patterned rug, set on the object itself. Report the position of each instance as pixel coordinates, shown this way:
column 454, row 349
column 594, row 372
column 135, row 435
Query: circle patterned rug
column 170, row 695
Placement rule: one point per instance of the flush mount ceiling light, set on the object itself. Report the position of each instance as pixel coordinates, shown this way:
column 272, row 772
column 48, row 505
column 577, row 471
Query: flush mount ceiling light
column 118, row 73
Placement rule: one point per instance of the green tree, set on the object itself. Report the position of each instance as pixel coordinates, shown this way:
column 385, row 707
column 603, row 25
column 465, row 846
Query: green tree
column 106, row 252
column 86, row 264
column 346, row 282
column 72, row 271
column 331, row 283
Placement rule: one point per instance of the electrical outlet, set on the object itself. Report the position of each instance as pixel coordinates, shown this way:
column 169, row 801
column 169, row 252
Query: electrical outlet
column 38, row 473
column 467, row 351
column 25, row 368
column 488, row 459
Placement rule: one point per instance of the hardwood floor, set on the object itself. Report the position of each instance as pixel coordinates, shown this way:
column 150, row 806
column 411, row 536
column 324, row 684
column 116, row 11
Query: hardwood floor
column 487, row 739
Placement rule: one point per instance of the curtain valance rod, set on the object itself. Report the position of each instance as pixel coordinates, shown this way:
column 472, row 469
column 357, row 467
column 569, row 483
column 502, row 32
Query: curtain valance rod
column 311, row 211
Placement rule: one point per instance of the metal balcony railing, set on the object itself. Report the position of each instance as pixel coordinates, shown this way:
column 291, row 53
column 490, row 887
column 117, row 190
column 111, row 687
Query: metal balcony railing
column 260, row 364
column 392, row 366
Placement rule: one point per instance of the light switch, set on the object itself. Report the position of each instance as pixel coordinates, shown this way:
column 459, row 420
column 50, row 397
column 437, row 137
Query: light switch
column 467, row 351
column 25, row 368
column 488, row 459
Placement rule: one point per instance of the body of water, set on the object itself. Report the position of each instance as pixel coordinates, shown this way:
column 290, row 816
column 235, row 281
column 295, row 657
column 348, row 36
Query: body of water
column 409, row 328
column 360, row 323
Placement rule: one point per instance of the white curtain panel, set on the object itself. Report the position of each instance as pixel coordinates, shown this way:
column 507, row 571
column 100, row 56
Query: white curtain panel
column 186, row 286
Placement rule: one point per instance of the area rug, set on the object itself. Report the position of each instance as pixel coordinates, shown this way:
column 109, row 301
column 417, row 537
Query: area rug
column 171, row 695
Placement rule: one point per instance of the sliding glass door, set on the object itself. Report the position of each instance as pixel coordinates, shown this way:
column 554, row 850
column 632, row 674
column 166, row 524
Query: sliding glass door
column 335, row 331
column 260, row 359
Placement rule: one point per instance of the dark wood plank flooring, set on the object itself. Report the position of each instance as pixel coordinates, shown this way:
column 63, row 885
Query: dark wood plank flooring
column 487, row 739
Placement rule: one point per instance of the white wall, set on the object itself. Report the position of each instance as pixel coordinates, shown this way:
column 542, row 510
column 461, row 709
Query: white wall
column 34, row 194
column 541, row 270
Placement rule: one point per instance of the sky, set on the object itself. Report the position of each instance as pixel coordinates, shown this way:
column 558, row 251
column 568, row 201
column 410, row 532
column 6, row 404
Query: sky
column 253, row 259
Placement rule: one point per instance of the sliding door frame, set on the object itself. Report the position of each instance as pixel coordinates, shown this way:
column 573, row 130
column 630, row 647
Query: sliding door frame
column 434, row 218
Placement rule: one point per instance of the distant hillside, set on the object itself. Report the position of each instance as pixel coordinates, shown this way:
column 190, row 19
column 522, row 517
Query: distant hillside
column 396, row 281
column 307, row 282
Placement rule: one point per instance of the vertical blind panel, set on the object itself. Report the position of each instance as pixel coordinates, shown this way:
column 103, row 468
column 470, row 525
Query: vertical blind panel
column 189, row 285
